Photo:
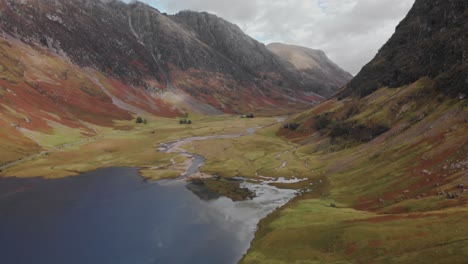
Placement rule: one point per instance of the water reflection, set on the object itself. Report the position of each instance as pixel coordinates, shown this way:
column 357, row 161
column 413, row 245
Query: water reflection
column 112, row 216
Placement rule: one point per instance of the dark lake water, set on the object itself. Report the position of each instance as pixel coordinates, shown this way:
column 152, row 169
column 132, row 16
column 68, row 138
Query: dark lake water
column 113, row 216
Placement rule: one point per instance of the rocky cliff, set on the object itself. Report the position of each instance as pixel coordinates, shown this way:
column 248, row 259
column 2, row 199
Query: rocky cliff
column 431, row 41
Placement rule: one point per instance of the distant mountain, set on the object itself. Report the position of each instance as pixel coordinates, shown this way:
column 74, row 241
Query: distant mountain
column 430, row 41
column 314, row 65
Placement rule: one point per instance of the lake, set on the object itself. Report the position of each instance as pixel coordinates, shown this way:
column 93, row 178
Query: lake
column 113, row 216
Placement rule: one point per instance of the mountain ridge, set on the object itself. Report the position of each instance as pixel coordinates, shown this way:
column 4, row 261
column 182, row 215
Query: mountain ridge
column 136, row 43
column 433, row 36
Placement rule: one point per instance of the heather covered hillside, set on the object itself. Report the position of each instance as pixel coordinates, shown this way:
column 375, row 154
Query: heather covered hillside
column 69, row 67
column 386, row 158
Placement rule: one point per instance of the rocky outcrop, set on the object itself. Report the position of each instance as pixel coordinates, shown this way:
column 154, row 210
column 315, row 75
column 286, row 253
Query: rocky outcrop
column 430, row 42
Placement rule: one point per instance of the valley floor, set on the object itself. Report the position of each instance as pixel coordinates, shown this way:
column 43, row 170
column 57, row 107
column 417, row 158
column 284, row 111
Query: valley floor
column 128, row 144
column 338, row 217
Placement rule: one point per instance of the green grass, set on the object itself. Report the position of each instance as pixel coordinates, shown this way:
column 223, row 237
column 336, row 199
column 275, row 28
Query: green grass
column 249, row 155
column 387, row 210
column 310, row 231
column 61, row 135
column 134, row 147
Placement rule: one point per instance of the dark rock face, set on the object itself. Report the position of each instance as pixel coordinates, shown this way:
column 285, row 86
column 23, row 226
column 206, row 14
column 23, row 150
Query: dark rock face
column 174, row 43
column 431, row 41
column 90, row 32
column 135, row 42
column 229, row 40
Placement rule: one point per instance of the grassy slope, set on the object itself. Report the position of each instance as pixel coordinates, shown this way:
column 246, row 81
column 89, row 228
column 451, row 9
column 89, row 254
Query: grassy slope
column 386, row 190
column 46, row 98
column 132, row 147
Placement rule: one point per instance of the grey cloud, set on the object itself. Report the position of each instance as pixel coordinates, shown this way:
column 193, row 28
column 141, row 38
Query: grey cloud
column 349, row 31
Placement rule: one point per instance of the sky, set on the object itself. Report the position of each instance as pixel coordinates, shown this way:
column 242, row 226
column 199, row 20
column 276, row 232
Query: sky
column 349, row 31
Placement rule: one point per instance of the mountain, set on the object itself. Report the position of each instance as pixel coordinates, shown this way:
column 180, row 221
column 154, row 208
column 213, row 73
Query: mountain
column 430, row 41
column 73, row 65
column 314, row 66
column 385, row 161
column 193, row 57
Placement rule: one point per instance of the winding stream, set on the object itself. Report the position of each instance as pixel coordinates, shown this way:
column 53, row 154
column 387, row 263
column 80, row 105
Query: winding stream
column 113, row 216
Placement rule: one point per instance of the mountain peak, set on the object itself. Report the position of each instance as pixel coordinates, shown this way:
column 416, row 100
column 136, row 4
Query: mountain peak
column 313, row 63
column 429, row 42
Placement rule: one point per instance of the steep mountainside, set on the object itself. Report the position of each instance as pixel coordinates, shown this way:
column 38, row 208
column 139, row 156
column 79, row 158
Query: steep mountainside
column 229, row 40
column 313, row 64
column 194, row 55
column 69, row 66
column 386, row 161
column 431, row 41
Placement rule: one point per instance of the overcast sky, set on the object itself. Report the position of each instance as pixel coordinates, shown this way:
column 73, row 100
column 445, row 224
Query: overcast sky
column 349, row 31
